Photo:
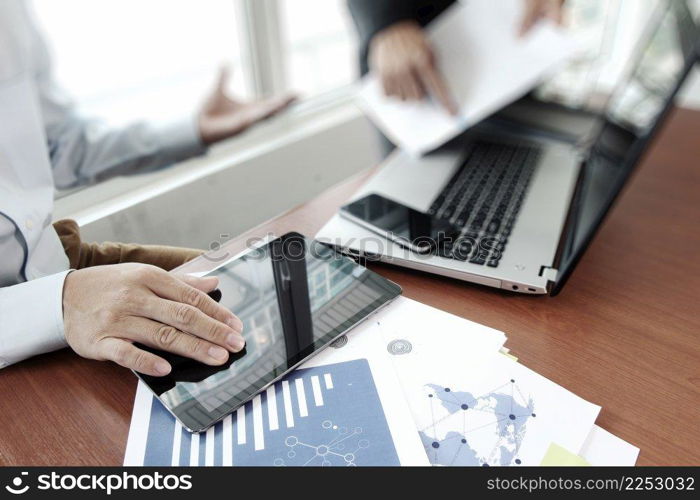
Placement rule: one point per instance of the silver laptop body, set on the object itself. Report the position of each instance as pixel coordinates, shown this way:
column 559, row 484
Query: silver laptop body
column 585, row 160
column 415, row 182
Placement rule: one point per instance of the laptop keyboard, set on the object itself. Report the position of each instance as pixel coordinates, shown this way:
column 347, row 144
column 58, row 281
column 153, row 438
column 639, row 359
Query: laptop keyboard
column 483, row 200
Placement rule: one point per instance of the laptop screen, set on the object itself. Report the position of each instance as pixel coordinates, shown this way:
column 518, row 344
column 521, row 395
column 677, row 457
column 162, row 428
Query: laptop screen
column 633, row 113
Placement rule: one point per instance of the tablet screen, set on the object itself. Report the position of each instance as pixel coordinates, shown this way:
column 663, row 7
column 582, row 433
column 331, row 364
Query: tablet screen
column 294, row 296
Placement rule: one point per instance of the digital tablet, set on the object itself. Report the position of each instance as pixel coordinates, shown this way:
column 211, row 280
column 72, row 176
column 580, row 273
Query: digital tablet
column 295, row 296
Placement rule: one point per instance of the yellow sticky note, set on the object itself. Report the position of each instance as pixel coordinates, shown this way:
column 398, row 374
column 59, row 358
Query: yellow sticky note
column 558, row 456
column 510, row 356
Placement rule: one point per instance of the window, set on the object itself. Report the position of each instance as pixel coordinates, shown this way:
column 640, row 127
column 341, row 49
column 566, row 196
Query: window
column 609, row 30
column 320, row 45
column 160, row 57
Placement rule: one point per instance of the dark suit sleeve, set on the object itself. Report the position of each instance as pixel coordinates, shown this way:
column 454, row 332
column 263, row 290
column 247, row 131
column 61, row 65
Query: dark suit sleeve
column 372, row 16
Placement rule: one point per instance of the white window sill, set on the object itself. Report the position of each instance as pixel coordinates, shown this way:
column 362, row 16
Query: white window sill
column 303, row 120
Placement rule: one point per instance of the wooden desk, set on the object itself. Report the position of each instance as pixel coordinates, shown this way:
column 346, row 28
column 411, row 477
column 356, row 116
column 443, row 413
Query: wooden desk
column 624, row 334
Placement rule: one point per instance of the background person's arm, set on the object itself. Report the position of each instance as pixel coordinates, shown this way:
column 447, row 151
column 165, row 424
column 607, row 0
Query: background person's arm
column 372, row 16
column 403, row 59
column 393, row 46
column 84, row 150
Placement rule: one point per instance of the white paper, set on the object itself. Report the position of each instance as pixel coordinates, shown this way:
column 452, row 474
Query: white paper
column 605, row 449
column 485, row 64
column 422, row 346
column 138, row 429
column 257, row 429
column 434, row 335
column 492, row 411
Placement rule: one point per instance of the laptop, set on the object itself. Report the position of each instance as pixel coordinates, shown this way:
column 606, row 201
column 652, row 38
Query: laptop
column 537, row 189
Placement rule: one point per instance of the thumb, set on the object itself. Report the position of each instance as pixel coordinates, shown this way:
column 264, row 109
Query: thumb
column 223, row 79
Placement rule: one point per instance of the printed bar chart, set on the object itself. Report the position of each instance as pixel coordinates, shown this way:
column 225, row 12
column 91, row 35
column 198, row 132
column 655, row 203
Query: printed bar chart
column 302, row 420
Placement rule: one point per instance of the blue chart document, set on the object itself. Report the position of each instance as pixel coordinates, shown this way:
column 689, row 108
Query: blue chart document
column 502, row 414
column 303, row 420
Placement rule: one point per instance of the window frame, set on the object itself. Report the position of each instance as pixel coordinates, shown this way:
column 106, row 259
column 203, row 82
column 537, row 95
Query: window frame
column 263, row 49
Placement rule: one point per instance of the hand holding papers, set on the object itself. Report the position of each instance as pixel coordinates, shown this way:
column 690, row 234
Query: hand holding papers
column 486, row 65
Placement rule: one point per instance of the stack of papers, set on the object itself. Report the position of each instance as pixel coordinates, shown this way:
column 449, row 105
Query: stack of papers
column 486, row 65
column 471, row 402
column 475, row 405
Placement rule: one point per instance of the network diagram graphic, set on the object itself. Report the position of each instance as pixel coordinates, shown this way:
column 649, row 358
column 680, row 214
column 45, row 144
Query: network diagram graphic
column 482, row 430
column 340, row 446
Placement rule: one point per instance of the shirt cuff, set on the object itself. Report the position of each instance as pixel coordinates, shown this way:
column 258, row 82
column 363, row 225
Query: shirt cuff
column 180, row 139
column 31, row 318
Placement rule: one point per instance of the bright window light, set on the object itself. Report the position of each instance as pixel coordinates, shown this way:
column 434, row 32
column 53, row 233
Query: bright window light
column 129, row 59
column 320, row 45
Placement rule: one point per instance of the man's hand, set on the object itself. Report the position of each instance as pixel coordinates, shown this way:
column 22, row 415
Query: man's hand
column 222, row 117
column 541, row 9
column 402, row 58
column 107, row 308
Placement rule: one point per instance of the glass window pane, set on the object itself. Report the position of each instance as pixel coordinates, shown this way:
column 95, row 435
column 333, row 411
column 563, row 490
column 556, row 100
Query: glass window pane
column 156, row 58
column 608, row 43
column 320, row 45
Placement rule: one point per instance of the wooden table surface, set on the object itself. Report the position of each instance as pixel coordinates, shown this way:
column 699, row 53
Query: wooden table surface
column 624, row 334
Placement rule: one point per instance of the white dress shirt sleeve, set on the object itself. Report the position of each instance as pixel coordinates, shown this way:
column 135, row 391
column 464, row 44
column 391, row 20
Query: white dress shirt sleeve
column 31, row 318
